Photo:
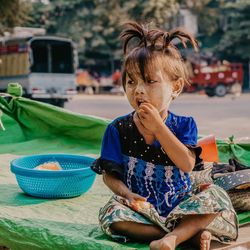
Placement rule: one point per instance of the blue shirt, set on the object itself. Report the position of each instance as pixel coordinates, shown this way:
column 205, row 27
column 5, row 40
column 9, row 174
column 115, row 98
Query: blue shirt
column 145, row 168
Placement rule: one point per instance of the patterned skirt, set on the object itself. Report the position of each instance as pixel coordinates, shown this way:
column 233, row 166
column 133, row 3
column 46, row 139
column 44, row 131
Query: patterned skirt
column 204, row 199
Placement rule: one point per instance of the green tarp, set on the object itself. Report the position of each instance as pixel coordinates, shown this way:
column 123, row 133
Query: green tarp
column 33, row 127
column 31, row 223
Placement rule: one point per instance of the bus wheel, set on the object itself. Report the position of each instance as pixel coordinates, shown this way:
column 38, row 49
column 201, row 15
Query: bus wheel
column 24, row 94
column 60, row 103
column 57, row 102
column 210, row 92
column 220, row 90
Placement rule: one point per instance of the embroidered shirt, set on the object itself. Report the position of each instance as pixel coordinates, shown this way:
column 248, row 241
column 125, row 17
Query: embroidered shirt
column 145, row 168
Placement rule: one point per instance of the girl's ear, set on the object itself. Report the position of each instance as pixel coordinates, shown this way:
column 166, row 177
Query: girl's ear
column 178, row 87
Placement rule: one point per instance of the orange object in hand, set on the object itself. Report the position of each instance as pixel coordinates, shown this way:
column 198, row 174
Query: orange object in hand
column 209, row 149
column 138, row 205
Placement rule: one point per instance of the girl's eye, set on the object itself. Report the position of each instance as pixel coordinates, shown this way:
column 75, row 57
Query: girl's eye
column 130, row 82
column 151, row 81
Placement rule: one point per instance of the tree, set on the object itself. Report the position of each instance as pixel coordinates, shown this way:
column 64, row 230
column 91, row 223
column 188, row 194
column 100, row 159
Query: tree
column 208, row 13
column 224, row 26
column 159, row 11
column 95, row 25
column 13, row 13
column 234, row 43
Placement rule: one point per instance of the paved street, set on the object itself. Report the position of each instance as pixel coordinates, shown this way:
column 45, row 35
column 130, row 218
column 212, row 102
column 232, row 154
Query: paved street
column 222, row 117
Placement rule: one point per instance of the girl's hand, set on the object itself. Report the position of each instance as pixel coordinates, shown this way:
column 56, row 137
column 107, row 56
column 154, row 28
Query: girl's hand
column 133, row 197
column 150, row 117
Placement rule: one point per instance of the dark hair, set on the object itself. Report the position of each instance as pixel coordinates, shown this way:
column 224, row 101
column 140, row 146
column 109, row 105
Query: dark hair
column 154, row 44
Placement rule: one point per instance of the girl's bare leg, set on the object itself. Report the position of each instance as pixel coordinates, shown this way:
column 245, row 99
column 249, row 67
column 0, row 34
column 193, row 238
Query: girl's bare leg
column 138, row 231
column 190, row 226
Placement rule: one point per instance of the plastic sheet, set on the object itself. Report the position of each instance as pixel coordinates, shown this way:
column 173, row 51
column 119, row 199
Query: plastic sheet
column 31, row 223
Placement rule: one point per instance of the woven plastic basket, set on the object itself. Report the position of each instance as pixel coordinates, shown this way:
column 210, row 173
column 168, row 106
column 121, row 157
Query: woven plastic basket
column 74, row 179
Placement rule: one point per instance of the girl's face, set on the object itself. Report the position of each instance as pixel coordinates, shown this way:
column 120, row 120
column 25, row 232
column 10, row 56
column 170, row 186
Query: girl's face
column 157, row 89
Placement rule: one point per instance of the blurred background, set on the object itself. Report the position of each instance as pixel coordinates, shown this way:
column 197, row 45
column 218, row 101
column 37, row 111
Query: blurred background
column 60, row 49
column 221, row 27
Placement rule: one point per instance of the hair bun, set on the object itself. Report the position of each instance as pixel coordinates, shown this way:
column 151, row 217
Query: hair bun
column 181, row 34
column 153, row 37
column 166, row 40
column 136, row 30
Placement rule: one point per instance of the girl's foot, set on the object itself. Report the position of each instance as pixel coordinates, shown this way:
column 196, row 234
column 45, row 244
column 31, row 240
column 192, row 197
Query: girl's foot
column 205, row 239
column 202, row 240
column 165, row 243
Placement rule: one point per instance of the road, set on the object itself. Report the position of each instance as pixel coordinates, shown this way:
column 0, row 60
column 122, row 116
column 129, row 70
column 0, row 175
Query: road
column 222, row 117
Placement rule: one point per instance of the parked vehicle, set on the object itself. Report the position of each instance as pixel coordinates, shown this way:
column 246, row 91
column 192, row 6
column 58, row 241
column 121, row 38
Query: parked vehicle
column 217, row 79
column 45, row 66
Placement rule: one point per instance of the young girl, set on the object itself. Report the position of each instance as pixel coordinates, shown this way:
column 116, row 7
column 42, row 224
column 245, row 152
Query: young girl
column 147, row 155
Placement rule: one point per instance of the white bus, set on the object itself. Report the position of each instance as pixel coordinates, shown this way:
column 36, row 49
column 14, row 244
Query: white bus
column 45, row 67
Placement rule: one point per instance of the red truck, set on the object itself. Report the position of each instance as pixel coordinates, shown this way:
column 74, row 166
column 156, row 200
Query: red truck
column 217, row 79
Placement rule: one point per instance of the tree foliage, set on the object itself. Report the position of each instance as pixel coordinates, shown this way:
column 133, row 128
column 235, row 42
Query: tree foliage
column 208, row 13
column 13, row 13
column 95, row 24
column 235, row 40
column 224, row 25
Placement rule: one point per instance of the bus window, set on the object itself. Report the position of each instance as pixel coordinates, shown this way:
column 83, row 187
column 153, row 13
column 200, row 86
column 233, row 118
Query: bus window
column 52, row 56
column 61, row 54
column 40, row 58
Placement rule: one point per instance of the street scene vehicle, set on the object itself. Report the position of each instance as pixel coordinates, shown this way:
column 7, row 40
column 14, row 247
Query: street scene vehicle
column 45, row 66
column 218, row 79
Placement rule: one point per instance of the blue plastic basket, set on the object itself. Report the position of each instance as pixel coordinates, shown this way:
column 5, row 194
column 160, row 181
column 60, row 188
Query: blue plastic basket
column 75, row 179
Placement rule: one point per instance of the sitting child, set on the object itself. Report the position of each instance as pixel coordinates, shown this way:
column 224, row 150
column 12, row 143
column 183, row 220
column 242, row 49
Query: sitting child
column 148, row 154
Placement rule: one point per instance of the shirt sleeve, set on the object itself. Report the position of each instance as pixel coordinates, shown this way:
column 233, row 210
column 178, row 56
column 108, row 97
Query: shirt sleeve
column 187, row 131
column 188, row 134
column 110, row 160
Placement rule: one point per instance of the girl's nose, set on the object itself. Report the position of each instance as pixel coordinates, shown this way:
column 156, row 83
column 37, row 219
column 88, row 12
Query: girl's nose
column 140, row 89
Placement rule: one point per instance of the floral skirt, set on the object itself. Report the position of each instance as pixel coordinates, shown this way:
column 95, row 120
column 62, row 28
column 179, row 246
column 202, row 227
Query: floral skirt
column 204, row 199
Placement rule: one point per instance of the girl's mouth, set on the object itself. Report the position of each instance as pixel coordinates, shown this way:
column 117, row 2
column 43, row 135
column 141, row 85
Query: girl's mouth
column 139, row 103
